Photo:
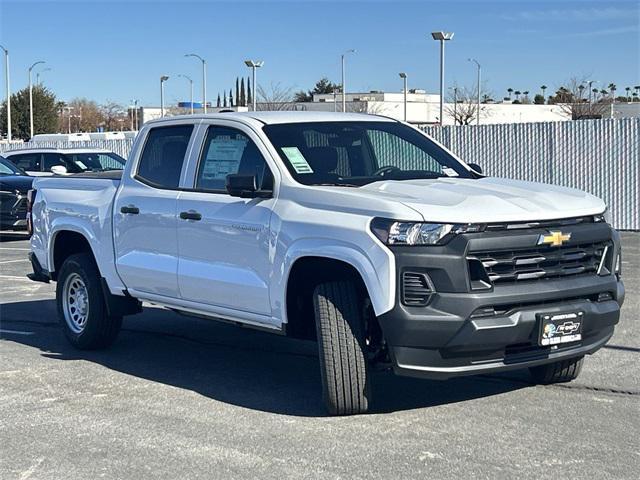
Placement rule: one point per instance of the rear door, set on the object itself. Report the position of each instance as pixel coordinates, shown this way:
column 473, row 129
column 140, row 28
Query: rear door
column 29, row 162
column 224, row 241
column 145, row 213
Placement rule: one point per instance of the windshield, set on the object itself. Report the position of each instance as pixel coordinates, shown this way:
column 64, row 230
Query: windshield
column 8, row 168
column 358, row 153
column 95, row 161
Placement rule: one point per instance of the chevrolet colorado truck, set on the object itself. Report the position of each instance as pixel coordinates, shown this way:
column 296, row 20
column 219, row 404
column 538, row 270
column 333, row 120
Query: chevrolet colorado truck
column 357, row 231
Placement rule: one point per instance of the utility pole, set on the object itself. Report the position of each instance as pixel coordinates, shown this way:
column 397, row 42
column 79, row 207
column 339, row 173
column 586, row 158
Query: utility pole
column 163, row 79
column 344, row 86
column 31, row 99
column 204, row 79
column 403, row 76
column 479, row 68
column 6, row 79
column 442, row 37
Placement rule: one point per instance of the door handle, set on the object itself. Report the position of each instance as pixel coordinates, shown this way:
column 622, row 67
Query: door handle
column 190, row 215
column 130, row 209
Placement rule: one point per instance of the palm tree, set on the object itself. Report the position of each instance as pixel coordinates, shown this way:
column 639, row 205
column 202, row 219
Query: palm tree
column 637, row 88
column 510, row 91
column 542, row 89
column 518, row 93
column 635, row 96
column 581, row 89
column 628, row 89
column 612, row 88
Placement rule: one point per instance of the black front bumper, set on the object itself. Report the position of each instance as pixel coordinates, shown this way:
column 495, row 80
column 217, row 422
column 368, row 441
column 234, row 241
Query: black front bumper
column 453, row 335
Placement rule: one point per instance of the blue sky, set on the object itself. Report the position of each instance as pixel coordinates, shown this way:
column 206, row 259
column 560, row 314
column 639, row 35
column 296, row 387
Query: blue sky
column 117, row 50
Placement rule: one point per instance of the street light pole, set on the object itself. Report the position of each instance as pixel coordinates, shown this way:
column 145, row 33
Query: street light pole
column 479, row 68
column 344, row 87
column 442, row 37
column 191, row 87
column 6, row 79
column 403, row 76
column 254, row 65
column 204, row 79
column 163, row 79
column 31, row 99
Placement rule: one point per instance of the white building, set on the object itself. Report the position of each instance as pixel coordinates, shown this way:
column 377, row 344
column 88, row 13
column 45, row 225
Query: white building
column 424, row 108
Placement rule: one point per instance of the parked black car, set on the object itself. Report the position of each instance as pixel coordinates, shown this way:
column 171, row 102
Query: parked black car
column 14, row 185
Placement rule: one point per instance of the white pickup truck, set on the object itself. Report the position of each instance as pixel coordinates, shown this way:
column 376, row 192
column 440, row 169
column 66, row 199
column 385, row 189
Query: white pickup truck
column 357, row 231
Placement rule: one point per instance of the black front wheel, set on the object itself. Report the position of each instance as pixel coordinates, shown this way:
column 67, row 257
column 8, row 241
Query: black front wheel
column 81, row 308
column 341, row 344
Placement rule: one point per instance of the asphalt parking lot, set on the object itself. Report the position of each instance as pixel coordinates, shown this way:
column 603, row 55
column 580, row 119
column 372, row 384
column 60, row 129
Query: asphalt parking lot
column 178, row 397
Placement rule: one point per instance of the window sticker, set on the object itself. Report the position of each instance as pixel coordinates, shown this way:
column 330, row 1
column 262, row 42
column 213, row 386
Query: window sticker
column 297, row 160
column 223, row 158
column 449, row 172
column 81, row 165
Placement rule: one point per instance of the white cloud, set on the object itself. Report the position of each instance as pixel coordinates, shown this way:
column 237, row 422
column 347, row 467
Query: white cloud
column 575, row 15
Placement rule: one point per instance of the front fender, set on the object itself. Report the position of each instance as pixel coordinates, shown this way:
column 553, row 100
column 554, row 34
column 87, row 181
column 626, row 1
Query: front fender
column 376, row 266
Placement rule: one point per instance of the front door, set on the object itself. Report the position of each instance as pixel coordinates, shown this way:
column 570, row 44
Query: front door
column 145, row 214
column 223, row 241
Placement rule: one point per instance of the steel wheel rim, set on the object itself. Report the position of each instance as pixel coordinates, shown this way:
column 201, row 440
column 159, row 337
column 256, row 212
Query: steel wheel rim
column 75, row 299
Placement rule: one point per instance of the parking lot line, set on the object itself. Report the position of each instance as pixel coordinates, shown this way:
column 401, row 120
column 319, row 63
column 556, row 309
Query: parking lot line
column 15, row 248
column 15, row 261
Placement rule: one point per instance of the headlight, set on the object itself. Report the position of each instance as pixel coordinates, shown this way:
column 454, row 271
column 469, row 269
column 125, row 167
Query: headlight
column 392, row 232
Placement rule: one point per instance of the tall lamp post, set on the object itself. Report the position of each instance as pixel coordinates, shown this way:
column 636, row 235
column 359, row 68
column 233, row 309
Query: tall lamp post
column 204, row 79
column 344, row 86
column 442, row 37
column 163, row 79
column 31, row 99
column 135, row 114
column 253, row 66
column 6, row 79
column 478, row 99
column 191, row 89
column 403, row 76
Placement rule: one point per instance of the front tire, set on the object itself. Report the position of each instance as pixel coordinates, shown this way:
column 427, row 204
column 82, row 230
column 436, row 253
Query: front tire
column 341, row 345
column 557, row 372
column 81, row 308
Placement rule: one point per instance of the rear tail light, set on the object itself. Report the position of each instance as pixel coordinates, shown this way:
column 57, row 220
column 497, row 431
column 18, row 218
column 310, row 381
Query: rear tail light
column 31, row 197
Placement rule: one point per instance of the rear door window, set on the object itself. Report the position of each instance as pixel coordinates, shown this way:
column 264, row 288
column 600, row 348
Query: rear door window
column 163, row 156
column 27, row 161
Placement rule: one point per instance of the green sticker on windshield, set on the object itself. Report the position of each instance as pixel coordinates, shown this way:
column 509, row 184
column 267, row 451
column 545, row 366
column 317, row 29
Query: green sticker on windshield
column 297, row 160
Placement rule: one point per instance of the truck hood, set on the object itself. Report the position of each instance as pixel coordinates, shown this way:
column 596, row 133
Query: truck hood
column 487, row 200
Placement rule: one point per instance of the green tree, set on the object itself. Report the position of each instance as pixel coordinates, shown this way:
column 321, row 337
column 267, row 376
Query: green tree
column 45, row 112
column 237, row 97
column 538, row 99
column 322, row 86
column 243, row 97
column 249, row 93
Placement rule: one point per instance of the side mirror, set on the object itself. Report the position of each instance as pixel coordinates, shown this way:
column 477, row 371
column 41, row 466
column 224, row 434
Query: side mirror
column 243, row 186
column 475, row 167
column 59, row 170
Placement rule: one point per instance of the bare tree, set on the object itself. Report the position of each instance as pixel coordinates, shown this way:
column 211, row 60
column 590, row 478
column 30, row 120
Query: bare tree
column 576, row 99
column 276, row 98
column 114, row 115
column 80, row 115
column 463, row 105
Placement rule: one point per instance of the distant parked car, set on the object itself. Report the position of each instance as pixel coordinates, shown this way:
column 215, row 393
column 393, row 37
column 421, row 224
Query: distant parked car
column 61, row 137
column 14, row 185
column 40, row 162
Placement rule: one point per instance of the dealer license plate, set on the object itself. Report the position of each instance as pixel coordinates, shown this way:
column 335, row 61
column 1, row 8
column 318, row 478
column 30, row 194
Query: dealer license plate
column 560, row 328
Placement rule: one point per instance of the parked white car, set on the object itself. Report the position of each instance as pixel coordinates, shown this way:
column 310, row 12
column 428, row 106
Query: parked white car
column 45, row 161
column 357, row 231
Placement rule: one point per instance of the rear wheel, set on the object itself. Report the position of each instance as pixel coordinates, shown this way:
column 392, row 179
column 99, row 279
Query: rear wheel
column 81, row 308
column 558, row 372
column 341, row 345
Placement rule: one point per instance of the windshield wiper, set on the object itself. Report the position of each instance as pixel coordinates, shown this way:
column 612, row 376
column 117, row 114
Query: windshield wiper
column 336, row 185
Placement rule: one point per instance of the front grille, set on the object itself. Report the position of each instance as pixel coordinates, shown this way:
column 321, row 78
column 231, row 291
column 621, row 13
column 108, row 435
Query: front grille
column 21, row 207
column 540, row 263
column 416, row 289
